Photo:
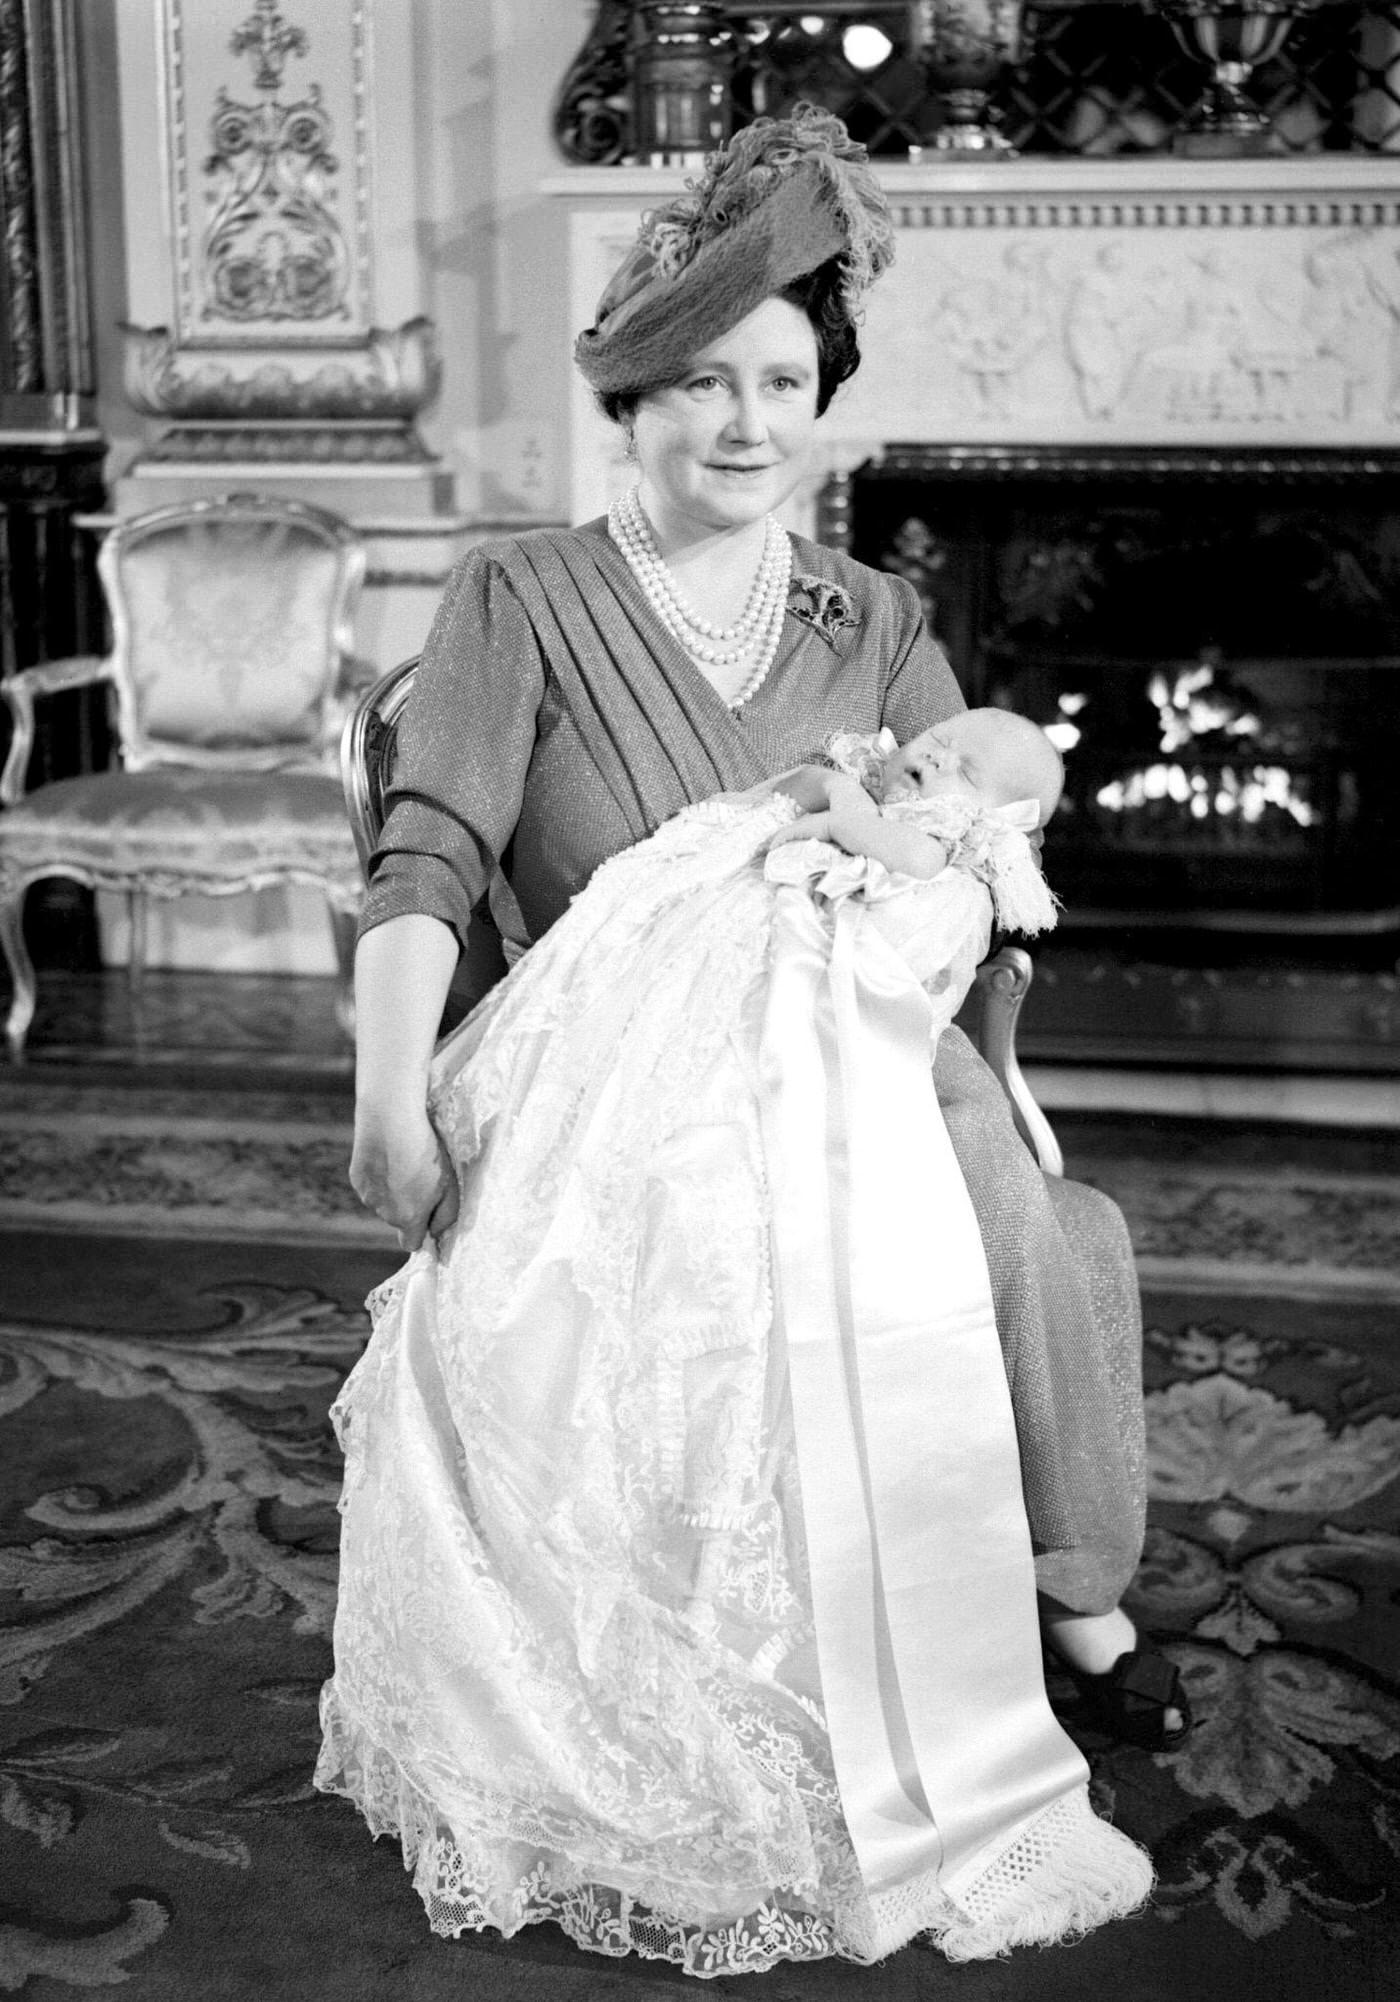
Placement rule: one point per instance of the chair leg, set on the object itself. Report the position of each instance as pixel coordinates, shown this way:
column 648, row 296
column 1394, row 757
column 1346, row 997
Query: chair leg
column 343, row 928
column 136, row 949
column 21, row 973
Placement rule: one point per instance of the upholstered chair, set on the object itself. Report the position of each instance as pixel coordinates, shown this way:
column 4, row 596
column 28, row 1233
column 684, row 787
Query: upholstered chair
column 229, row 678
column 989, row 1016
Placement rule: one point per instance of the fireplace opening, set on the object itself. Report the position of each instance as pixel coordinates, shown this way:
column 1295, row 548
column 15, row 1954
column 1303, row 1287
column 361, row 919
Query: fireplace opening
column 1213, row 640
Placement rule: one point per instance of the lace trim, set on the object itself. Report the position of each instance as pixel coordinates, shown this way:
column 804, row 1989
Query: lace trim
column 472, row 1887
column 1066, row 1874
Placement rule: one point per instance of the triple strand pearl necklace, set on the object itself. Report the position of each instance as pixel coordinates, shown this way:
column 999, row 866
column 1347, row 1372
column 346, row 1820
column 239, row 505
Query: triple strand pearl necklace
column 755, row 634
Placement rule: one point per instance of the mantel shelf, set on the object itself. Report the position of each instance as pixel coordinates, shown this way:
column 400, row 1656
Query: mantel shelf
column 1323, row 174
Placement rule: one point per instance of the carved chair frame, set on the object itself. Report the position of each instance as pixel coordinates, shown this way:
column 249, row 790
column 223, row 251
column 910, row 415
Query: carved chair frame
column 23, row 689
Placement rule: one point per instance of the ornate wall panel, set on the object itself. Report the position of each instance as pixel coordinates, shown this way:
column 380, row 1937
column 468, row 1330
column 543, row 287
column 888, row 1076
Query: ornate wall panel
column 269, row 170
column 283, row 183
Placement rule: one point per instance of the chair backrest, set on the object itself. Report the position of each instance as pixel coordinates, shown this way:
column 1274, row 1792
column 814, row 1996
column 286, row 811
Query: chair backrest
column 231, row 623
column 367, row 753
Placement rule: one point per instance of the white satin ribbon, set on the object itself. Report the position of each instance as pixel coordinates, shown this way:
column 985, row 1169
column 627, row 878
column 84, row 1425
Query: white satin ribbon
column 922, row 1577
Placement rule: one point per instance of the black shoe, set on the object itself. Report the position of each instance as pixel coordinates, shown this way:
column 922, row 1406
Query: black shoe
column 1130, row 1701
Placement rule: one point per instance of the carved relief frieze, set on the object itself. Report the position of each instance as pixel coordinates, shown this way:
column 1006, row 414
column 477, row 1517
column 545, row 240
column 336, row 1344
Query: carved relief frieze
column 1138, row 335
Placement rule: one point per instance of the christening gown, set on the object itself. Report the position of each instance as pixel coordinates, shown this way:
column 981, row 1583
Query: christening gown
column 687, row 1595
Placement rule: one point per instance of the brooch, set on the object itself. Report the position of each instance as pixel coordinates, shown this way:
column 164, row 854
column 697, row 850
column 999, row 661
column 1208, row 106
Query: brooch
column 822, row 605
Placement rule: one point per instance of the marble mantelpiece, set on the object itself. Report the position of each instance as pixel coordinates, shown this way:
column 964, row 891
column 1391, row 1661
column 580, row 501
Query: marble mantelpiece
column 1152, row 303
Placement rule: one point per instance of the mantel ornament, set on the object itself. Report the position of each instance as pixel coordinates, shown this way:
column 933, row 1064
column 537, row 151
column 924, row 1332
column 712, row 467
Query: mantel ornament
column 1234, row 37
column 964, row 45
column 591, row 112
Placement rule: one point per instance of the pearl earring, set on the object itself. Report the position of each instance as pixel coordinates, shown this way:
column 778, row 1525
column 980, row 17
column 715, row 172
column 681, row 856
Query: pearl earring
column 631, row 447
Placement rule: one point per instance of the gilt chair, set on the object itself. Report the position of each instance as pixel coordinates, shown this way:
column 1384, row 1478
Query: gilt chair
column 228, row 680
column 367, row 748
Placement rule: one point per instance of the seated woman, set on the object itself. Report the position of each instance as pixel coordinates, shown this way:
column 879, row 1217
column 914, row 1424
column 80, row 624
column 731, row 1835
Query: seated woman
column 583, row 686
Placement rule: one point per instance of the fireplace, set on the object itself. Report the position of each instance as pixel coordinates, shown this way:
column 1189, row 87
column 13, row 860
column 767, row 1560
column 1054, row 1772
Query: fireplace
column 1214, row 643
column 1213, row 640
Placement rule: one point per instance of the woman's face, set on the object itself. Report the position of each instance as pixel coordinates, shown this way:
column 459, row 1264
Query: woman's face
column 730, row 440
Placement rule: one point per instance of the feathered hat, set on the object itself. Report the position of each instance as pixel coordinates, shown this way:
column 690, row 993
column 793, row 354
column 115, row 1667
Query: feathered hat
column 785, row 196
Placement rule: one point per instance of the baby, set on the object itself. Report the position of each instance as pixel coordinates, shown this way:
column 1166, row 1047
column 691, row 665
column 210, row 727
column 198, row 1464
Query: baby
column 968, row 795
column 948, row 797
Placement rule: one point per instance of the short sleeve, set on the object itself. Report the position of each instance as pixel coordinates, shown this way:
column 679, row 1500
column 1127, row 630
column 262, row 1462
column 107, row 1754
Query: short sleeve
column 922, row 689
column 464, row 748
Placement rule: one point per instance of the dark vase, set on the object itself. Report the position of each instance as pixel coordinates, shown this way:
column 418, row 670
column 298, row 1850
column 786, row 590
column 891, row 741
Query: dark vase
column 681, row 62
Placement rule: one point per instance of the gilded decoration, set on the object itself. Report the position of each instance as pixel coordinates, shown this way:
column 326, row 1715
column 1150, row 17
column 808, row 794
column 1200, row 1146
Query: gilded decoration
column 275, row 349
column 269, row 172
column 387, row 377
column 273, row 249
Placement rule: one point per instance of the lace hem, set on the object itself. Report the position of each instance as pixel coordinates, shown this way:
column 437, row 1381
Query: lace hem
column 522, row 1886
column 1066, row 1874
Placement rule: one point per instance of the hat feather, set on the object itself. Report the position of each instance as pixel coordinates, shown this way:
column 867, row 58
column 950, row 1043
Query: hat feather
column 741, row 176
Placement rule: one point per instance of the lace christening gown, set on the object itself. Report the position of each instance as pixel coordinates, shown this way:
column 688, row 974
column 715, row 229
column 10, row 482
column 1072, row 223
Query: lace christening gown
column 686, row 1591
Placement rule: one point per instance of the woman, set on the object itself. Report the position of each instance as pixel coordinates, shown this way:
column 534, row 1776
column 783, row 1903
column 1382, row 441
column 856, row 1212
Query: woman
column 580, row 688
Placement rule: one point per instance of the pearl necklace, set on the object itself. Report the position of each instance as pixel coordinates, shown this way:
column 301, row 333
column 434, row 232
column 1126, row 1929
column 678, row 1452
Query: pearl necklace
column 757, row 631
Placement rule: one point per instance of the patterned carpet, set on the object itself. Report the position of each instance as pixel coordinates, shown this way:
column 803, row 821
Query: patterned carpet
column 167, row 1540
column 1257, row 1209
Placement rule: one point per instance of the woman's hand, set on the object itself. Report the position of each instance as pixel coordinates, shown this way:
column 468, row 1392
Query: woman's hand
column 400, row 1170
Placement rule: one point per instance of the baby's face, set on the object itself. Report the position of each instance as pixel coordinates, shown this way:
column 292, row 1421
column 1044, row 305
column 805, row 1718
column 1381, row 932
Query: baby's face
column 931, row 765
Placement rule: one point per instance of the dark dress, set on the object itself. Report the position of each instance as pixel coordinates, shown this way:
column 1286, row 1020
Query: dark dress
column 555, row 720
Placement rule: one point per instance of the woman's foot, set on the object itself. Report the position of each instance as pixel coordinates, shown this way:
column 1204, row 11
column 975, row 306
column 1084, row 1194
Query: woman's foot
column 1134, row 1692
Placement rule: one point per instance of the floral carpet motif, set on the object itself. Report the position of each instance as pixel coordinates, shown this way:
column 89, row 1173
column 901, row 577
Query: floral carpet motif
column 168, row 1482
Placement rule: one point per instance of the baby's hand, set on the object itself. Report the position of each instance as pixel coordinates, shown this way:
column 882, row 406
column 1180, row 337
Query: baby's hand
column 853, row 816
column 807, row 827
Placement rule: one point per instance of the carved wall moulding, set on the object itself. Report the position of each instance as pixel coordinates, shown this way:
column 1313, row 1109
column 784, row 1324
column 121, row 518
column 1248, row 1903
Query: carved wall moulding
column 1067, row 464
column 45, row 334
column 1206, row 212
column 389, row 376
column 270, row 191
column 313, row 445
